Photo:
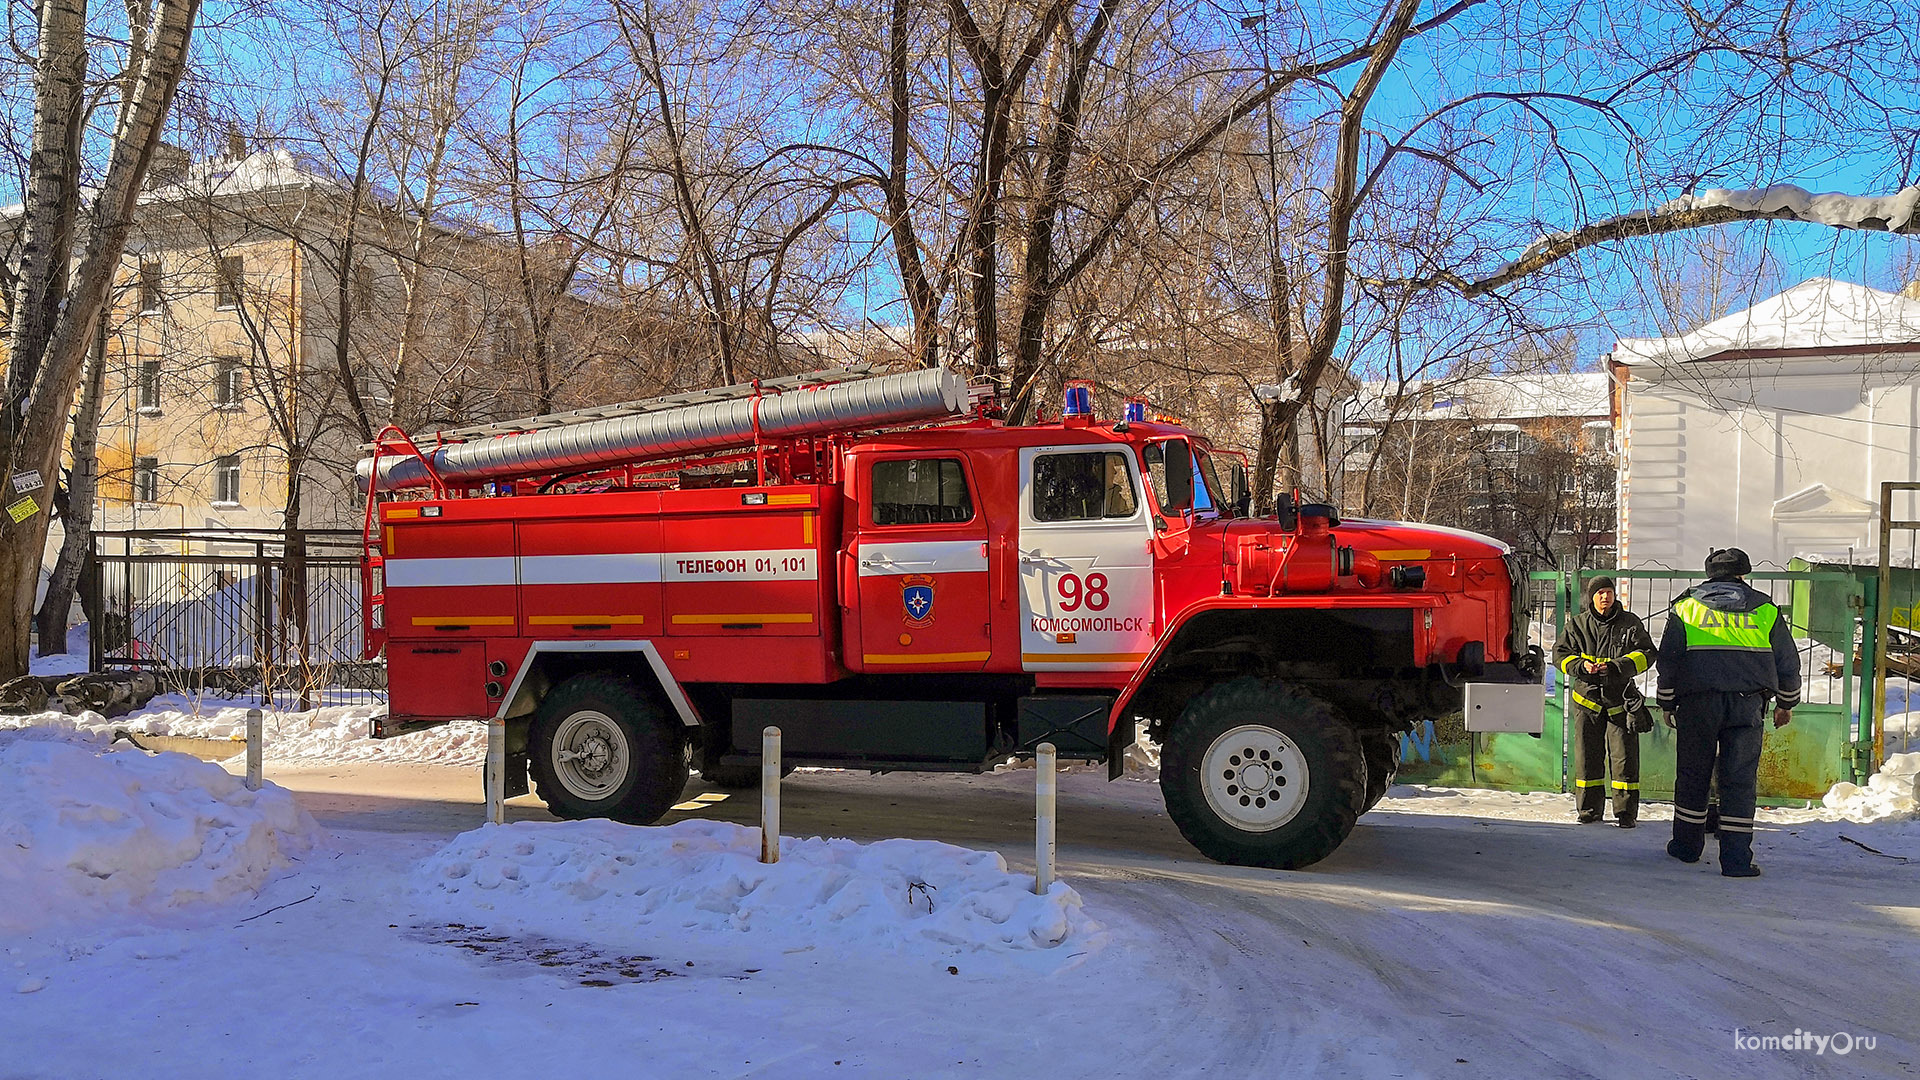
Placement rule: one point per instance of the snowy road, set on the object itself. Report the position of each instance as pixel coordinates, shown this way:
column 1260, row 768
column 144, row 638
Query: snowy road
column 1479, row 935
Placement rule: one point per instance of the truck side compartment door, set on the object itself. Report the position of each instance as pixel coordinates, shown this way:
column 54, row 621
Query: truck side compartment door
column 920, row 549
column 1086, row 568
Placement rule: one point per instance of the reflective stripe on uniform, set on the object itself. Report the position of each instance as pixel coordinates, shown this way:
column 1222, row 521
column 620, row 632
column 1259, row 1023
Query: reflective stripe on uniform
column 1727, row 826
column 1623, row 786
column 1604, row 710
column 1640, row 661
column 1712, row 629
column 1602, row 782
column 1698, row 817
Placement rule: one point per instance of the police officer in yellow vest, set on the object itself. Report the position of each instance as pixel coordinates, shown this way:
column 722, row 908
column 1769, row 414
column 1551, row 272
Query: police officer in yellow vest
column 1725, row 651
column 1602, row 650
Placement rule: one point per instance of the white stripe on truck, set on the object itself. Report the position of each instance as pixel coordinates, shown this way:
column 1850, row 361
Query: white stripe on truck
column 922, row 557
column 789, row 564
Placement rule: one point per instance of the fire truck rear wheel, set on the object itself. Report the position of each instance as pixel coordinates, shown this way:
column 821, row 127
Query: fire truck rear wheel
column 601, row 748
column 1256, row 774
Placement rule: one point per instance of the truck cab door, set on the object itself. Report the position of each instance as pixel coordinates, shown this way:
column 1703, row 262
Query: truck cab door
column 1086, row 565
column 920, row 550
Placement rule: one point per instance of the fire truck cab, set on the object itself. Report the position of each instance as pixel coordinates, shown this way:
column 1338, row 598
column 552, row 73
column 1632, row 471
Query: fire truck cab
column 939, row 598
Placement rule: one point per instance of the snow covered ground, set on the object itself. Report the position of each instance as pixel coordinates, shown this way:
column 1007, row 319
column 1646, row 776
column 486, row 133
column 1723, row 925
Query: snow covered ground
column 158, row 920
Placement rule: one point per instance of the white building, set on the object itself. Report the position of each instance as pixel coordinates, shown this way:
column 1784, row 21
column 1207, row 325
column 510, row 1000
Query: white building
column 1770, row 429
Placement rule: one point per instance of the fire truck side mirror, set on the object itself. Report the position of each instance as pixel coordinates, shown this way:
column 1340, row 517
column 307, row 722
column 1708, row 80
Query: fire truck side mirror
column 1179, row 493
column 1239, row 496
column 1286, row 512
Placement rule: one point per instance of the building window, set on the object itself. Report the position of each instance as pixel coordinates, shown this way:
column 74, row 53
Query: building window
column 149, row 288
column 1362, row 443
column 226, row 480
column 506, row 339
column 1503, row 440
column 226, row 288
column 920, row 491
column 150, row 386
column 1599, row 436
column 227, row 384
column 146, row 480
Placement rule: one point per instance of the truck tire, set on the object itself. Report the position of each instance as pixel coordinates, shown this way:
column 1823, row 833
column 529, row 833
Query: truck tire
column 601, row 748
column 1382, row 752
column 1256, row 774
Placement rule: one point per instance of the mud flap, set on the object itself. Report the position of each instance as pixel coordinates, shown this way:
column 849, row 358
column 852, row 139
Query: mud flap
column 1119, row 741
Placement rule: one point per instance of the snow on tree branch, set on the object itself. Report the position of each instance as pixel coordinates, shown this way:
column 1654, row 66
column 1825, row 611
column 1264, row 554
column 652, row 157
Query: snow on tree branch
column 1719, row 206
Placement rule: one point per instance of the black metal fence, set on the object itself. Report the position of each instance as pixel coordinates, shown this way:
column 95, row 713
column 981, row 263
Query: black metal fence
column 265, row 616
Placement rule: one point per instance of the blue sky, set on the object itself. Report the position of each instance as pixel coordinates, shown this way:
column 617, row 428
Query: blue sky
column 1518, row 47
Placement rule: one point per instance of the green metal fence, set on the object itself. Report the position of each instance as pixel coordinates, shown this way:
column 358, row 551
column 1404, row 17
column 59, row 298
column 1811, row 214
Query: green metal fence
column 1825, row 743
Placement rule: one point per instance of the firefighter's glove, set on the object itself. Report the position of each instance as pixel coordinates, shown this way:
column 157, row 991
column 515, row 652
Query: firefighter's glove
column 1643, row 720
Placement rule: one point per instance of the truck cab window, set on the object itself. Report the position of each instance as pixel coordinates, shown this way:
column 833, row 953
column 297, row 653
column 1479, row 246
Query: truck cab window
column 1203, row 478
column 920, row 491
column 1082, row 487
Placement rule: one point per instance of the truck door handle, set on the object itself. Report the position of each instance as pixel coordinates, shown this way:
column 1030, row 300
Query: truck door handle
column 1029, row 559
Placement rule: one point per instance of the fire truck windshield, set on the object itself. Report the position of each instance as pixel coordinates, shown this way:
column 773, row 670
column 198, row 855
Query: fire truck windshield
column 1210, row 492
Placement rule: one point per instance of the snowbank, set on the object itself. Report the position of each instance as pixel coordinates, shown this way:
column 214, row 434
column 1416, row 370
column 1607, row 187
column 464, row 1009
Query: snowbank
column 72, row 662
column 87, row 831
column 334, row 733
column 580, row 878
column 1890, row 794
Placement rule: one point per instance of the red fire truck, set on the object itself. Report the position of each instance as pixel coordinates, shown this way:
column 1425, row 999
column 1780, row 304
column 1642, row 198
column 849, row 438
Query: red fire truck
column 899, row 580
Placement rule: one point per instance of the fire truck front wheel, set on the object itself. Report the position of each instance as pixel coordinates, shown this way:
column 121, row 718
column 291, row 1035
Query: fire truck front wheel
column 600, row 748
column 1256, row 774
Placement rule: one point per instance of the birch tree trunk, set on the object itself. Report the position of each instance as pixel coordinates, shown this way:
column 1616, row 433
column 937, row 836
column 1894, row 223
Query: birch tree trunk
column 77, row 543
column 50, row 343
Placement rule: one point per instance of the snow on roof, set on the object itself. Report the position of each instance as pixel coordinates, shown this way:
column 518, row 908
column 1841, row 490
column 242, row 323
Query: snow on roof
column 264, row 170
column 1819, row 313
column 1486, row 398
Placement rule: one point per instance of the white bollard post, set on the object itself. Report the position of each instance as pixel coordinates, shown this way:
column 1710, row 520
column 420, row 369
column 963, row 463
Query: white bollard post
column 770, row 795
column 254, row 738
column 497, row 771
column 1044, row 789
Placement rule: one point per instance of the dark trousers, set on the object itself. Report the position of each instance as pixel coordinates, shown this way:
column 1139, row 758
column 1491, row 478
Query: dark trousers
column 1600, row 748
column 1717, row 733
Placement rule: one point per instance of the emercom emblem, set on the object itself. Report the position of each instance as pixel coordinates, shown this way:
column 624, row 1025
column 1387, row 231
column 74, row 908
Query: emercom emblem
column 916, row 599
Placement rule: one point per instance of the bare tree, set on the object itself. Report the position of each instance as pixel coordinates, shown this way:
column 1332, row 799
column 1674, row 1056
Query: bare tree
column 54, row 314
column 74, row 501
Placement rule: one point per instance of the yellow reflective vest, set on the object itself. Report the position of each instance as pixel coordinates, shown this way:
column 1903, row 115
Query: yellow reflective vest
column 1725, row 636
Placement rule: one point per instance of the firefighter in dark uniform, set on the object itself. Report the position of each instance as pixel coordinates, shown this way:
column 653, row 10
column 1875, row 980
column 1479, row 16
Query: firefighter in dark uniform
column 1601, row 651
column 1725, row 651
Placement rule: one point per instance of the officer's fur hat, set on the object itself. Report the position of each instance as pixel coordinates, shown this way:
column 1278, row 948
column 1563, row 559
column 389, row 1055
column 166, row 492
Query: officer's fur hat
column 1728, row 563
